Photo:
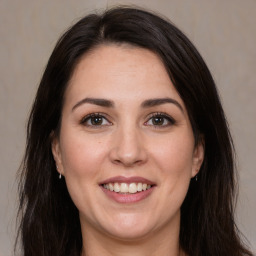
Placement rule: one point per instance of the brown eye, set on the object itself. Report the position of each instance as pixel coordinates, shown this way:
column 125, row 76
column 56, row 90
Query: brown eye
column 160, row 120
column 95, row 120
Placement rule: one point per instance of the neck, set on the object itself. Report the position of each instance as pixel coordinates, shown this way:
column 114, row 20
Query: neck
column 164, row 241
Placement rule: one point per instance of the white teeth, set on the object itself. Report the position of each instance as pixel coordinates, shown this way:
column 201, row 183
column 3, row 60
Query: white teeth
column 124, row 188
column 116, row 187
column 127, row 188
column 111, row 187
column 133, row 188
column 139, row 187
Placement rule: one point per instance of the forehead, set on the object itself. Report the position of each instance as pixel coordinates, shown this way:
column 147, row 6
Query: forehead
column 120, row 72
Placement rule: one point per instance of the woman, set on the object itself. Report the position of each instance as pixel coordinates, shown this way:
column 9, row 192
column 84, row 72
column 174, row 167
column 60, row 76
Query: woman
column 128, row 150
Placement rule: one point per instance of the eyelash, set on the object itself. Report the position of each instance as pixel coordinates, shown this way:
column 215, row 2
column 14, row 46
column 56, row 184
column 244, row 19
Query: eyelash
column 89, row 118
column 165, row 116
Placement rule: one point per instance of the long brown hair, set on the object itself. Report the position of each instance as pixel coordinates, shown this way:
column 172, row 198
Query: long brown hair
column 49, row 219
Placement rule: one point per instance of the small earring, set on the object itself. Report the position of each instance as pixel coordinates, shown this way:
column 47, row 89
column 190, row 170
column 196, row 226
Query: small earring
column 57, row 167
column 196, row 177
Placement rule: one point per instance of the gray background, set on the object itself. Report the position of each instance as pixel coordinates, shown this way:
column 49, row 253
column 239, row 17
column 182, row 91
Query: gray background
column 224, row 31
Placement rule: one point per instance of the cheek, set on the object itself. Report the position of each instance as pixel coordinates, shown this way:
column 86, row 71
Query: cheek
column 175, row 156
column 82, row 160
column 81, row 155
column 174, row 160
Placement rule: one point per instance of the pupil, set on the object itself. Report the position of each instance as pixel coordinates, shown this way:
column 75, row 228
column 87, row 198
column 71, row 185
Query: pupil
column 96, row 120
column 158, row 120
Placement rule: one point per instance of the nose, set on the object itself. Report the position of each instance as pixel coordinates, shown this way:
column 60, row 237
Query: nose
column 128, row 148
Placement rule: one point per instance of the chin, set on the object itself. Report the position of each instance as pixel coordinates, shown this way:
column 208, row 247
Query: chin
column 130, row 234
column 130, row 228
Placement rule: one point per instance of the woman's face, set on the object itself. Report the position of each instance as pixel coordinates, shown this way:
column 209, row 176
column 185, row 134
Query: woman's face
column 126, row 146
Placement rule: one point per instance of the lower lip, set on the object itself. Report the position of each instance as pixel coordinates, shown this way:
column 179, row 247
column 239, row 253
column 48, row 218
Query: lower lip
column 128, row 198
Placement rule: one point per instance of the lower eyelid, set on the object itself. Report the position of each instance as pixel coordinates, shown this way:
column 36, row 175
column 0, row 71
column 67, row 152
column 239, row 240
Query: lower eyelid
column 162, row 115
column 87, row 117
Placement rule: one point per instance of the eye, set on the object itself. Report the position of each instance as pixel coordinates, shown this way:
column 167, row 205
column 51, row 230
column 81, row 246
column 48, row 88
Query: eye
column 95, row 119
column 160, row 119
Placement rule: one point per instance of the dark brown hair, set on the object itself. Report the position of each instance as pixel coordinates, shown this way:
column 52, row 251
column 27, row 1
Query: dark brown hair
column 49, row 219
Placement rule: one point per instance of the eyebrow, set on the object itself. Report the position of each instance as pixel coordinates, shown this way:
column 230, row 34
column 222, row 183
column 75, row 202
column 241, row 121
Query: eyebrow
column 160, row 101
column 98, row 102
column 110, row 104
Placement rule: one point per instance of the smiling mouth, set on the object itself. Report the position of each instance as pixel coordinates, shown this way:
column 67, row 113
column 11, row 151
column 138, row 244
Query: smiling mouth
column 127, row 188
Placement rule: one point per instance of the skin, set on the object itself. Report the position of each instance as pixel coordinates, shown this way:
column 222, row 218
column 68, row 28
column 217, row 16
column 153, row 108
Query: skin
column 128, row 142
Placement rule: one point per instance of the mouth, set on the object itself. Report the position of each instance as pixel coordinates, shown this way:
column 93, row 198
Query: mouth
column 127, row 190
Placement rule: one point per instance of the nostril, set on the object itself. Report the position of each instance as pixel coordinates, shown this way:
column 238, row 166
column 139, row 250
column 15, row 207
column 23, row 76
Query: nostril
column 118, row 162
column 128, row 163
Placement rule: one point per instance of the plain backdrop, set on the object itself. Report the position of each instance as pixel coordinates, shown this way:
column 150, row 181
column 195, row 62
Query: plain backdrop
column 224, row 31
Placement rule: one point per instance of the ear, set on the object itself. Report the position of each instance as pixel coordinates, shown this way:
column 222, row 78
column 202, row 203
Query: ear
column 198, row 157
column 56, row 151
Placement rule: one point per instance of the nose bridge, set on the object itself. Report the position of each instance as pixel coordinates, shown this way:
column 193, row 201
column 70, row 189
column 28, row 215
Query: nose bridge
column 128, row 146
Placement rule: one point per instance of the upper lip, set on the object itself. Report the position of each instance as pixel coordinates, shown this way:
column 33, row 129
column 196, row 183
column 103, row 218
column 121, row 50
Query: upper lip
column 128, row 180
